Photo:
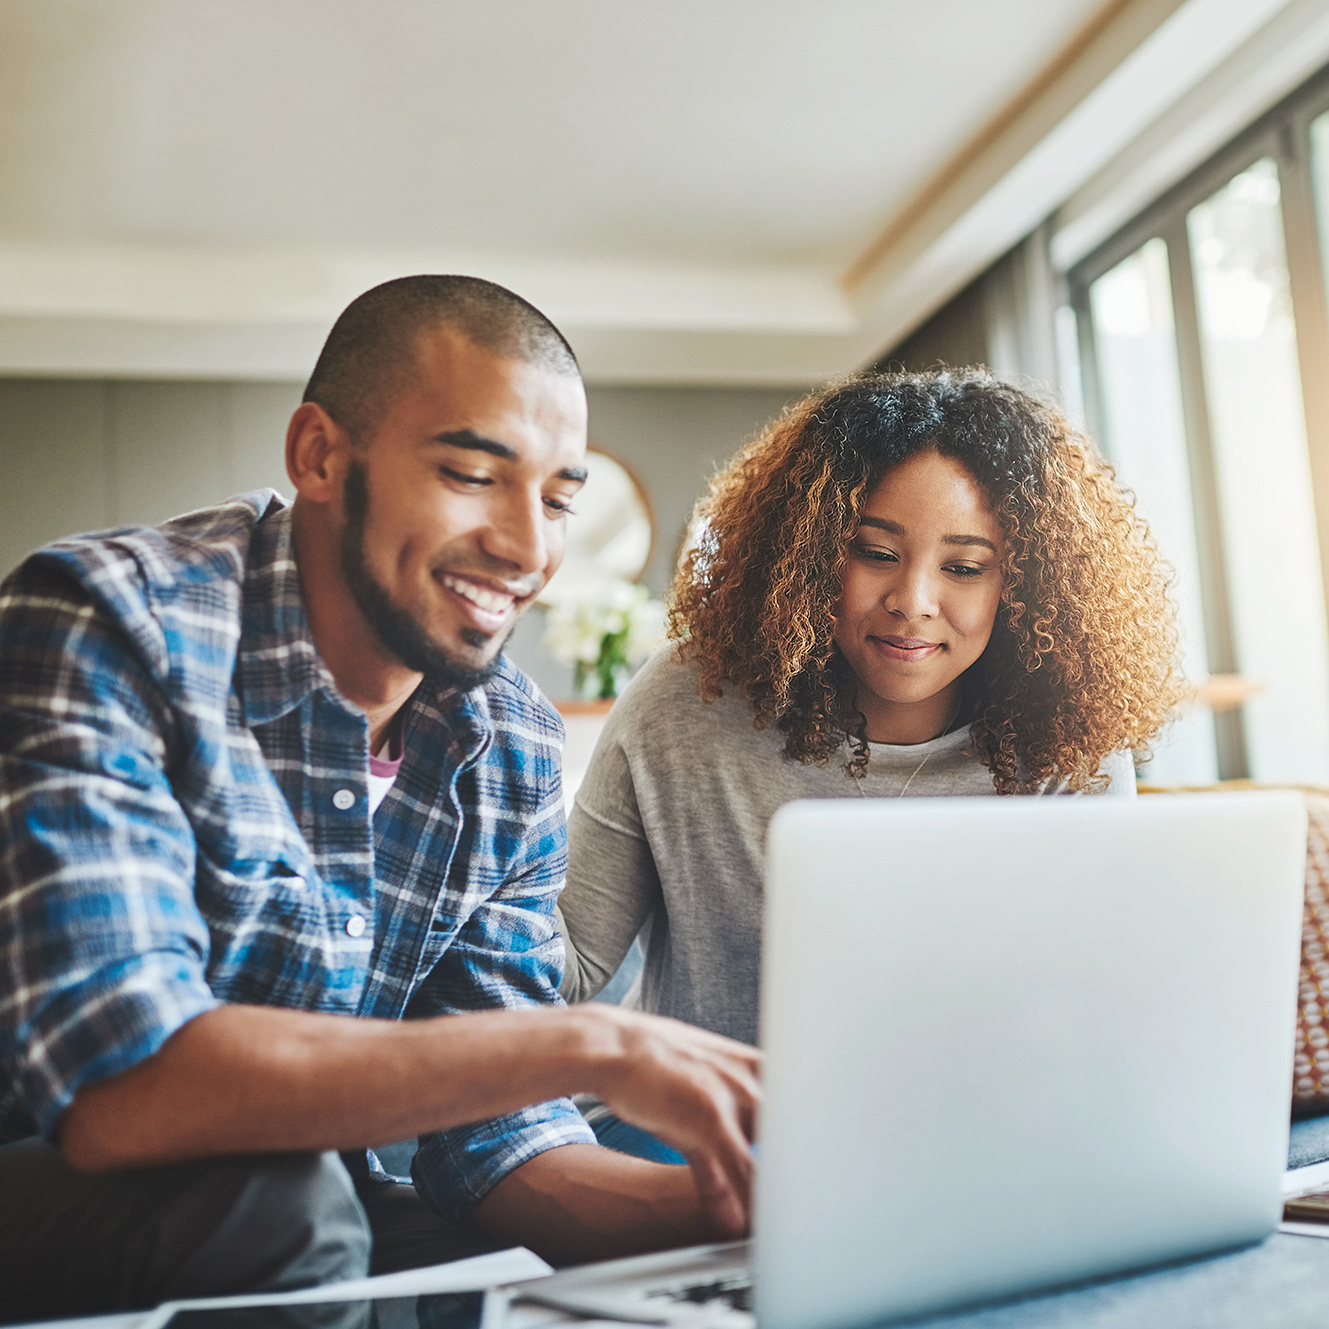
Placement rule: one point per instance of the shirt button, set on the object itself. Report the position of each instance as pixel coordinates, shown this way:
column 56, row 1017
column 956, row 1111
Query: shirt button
column 343, row 799
column 355, row 925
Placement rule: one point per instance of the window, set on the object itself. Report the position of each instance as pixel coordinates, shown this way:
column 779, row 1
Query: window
column 1198, row 324
column 1143, row 429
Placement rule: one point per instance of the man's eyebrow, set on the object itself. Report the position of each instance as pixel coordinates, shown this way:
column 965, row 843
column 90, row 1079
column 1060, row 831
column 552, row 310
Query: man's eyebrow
column 468, row 438
column 894, row 528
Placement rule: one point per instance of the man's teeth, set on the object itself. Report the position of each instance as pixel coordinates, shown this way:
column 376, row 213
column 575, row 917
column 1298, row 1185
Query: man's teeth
column 493, row 602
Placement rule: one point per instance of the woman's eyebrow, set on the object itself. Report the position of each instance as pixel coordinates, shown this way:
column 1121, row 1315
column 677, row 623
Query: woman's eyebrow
column 894, row 528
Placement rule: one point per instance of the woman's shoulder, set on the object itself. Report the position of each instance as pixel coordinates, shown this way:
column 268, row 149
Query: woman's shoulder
column 666, row 671
column 1118, row 767
column 663, row 701
column 668, row 677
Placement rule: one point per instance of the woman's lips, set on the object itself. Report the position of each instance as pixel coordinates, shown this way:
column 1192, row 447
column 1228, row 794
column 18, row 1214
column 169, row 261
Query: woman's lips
column 905, row 648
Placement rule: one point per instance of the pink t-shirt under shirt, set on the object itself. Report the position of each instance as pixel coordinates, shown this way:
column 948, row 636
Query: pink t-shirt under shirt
column 382, row 772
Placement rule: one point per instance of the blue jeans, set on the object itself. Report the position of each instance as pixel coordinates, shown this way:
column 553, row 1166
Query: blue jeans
column 629, row 1139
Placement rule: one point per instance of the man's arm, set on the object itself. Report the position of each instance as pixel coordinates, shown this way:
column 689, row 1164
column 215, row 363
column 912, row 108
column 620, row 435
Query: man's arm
column 572, row 1201
column 583, row 1202
column 101, row 945
column 246, row 1079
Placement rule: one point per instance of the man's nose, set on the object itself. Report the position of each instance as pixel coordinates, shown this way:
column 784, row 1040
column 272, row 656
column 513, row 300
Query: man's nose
column 518, row 534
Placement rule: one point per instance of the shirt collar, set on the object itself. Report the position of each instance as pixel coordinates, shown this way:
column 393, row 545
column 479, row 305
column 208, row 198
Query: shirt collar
column 463, row 719
column 279, row 664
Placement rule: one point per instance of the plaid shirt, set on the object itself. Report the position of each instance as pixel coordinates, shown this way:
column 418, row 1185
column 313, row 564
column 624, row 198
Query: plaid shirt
column 184, row 821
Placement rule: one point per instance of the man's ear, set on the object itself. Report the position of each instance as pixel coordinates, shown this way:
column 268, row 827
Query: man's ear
column 317, row 448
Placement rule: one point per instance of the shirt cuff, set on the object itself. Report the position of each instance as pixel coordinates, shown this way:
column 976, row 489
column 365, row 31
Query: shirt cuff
column 454, row 1170
column 91, row 1035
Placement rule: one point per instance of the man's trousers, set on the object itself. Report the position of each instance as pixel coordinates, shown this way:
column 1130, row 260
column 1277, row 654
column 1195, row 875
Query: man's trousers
column 76, row 1244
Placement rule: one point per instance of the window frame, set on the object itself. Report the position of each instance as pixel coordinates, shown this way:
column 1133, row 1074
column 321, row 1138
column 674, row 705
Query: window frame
column 1282, row 134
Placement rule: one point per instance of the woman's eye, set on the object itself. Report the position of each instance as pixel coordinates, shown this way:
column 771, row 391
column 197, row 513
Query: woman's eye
column 875, row 555
column 965, row 570
column 560, row 507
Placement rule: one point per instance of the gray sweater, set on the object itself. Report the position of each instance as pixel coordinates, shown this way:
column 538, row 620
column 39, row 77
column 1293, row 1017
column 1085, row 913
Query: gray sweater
column 668, row 830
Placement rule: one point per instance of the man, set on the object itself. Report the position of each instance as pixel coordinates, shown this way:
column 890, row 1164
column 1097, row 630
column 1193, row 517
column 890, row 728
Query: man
column 273, row 809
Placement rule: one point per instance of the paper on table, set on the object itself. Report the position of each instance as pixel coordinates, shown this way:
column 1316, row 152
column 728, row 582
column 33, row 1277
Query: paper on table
column 1305, row 1229
column 479, row 1271
column 116, row 1320
column 1304, row 1180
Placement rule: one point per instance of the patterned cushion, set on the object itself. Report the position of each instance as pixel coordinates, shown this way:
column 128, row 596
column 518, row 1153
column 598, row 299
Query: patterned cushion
column 1310, row 1083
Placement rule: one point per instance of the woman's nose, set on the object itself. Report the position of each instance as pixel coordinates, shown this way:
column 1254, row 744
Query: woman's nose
column 913, row 596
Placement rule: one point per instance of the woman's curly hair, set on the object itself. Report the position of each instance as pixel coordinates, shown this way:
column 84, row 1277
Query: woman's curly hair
column 1081, row 658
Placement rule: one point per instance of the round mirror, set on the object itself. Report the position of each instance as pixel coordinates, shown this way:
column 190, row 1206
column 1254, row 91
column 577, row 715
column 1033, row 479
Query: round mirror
column 610, row 535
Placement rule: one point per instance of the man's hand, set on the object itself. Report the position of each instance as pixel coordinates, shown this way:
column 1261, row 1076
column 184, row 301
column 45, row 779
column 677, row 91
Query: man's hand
column 694, row 1089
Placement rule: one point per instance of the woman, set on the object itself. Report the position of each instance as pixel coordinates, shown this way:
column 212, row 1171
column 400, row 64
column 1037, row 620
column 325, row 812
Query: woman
column 911, row 584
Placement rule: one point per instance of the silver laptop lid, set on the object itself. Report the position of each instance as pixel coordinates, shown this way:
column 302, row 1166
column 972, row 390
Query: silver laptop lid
column 1016, row 1042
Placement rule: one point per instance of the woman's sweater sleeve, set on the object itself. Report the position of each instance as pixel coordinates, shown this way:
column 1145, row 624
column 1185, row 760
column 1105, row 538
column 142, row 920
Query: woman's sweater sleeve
column 613, row 887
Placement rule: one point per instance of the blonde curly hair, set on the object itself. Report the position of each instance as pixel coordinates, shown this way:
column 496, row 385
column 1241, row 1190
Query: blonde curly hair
column 1081, row 661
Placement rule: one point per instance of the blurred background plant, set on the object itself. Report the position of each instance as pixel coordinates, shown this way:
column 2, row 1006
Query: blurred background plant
column 605, row 634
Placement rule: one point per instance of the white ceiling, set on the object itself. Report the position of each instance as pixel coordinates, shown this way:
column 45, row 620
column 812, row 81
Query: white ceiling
column 723, row 190
column 714, row 131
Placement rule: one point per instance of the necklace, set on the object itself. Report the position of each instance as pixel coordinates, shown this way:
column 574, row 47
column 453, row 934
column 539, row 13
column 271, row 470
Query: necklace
column 927, row 756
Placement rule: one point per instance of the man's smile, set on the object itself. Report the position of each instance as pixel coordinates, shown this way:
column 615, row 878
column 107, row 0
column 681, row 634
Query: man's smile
column 486, row 604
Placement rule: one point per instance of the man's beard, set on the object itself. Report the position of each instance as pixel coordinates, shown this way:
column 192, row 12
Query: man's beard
column 394, row 627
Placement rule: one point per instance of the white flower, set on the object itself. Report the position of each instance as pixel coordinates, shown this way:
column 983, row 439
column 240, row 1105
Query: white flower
column 576, row 628
column 573, row 635
column 647, row 630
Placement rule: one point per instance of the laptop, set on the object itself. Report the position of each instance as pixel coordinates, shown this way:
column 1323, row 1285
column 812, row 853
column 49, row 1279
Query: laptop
column 1011, row 1044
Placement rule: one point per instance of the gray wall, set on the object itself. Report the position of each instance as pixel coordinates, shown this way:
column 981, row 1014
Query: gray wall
column 80, row 455
column 1004, row 319
column 955, row 335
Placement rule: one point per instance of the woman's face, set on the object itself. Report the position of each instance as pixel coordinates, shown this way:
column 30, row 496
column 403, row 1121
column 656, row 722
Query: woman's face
column 920, row 592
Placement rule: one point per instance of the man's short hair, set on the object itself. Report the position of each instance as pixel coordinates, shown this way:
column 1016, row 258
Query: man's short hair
column 370, row 356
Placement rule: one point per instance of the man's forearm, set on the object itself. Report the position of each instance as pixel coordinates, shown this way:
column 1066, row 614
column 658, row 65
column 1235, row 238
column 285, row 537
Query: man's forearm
column 244, row 1079
column 580, row 1202
column 253, row 1079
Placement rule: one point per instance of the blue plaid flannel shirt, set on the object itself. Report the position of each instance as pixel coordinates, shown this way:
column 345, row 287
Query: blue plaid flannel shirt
column 174, row 761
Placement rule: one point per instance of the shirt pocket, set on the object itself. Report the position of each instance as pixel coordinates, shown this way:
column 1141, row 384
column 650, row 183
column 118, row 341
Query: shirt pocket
column 268, row 927
column 249, row 886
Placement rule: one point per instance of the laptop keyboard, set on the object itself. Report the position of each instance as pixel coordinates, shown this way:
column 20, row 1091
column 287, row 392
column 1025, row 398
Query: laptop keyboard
column 732, row 1293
